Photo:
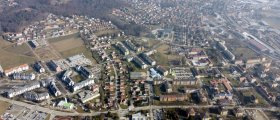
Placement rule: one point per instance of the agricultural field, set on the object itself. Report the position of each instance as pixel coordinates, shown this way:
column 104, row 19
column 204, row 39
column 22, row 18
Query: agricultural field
column 70, row 45
column 14, row 55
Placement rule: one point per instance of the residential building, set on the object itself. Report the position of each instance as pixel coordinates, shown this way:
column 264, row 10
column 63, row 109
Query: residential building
column 54, row 66
column 132, row 46
column 138, row 75
column 23, row 76
column 162, row 70
column 85, row 72
column 22, row 89
column 33, row 96
column 54, row 90
column 87, row 95
column 140, row 63
column 122, row 48
column 148, row 59
column 39, row 67
column 82, row 84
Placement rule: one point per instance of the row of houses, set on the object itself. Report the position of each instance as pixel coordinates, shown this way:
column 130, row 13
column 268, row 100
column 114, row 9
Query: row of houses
column 173, row 98
column 23, row 67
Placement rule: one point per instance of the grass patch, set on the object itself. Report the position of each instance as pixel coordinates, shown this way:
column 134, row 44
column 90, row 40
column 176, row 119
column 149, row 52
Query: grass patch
column 9, row 59
column 78, row 50
column 71, row 36
column 123, row 106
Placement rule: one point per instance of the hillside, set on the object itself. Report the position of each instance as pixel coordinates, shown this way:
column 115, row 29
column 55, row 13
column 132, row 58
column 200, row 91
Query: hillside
column 12, row 19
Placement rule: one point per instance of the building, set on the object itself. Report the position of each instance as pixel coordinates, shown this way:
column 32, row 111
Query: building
column 66, row 78
column 1, row 70
column 140, row 63
column 148, row 59
column 17, row 69
column 162, row 70
column 85, row 72
column 122, row 48
column 54, row 90
column 138, row 75
column 22, row 89
column 132, row 46
column 23, row 76
column 87, row 95
column 138, row 116
column 82, row 84
column 39, row 67
column 54, row 66
column 172, row 98
column 65, row 104
column 168, row 87
column 78, row 60
column 33, row 96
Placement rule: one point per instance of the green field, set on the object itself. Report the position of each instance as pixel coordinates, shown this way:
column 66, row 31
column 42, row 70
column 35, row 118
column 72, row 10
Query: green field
column 4, row 107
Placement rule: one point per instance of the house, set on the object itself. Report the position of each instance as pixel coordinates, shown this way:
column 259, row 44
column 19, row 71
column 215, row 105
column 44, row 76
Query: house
column 17, row 69
column 191, row 112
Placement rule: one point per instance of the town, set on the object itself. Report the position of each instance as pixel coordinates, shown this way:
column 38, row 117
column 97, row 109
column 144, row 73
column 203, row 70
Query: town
column 200, row 60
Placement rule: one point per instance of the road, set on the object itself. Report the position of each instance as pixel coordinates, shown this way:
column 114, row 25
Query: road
column 54, row 113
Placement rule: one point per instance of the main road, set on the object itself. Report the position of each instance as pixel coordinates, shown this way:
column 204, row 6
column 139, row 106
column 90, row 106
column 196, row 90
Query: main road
column 54, row 113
